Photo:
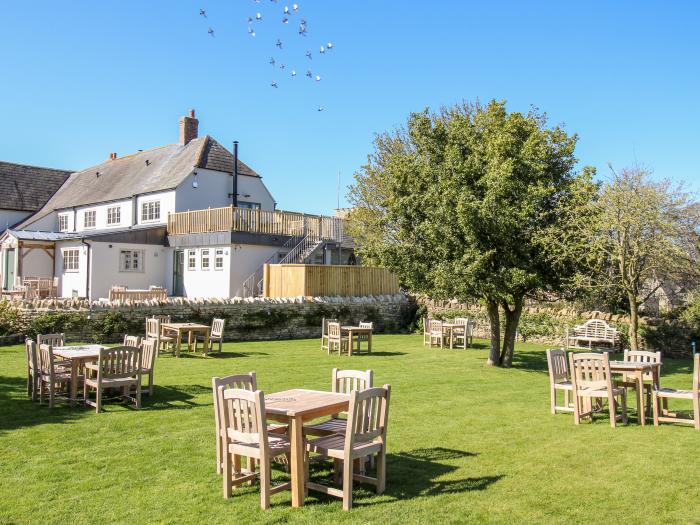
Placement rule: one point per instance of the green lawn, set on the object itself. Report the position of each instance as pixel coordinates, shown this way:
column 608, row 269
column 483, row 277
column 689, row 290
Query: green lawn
column 466, row 444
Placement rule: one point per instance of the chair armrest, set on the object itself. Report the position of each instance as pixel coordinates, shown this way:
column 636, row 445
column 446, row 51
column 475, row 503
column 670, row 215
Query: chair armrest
column 92, row 366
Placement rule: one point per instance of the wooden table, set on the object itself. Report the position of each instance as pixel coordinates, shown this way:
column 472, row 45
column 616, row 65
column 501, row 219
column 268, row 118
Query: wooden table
column 450, row 328
column 638, row 369
column 357, row 331
column 78, row 356
column 190, row 328
column 294, row 407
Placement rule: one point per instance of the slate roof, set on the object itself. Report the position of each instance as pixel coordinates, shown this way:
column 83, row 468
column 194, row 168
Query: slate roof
column 148, row 171
column 28, row 188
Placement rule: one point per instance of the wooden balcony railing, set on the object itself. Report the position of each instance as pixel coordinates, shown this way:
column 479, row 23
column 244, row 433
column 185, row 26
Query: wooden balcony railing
column 255, row 221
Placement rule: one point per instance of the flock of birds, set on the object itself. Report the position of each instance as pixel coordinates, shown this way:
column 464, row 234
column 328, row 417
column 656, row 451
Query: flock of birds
column 287, row 15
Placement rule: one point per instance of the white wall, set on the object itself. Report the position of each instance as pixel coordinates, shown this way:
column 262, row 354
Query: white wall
column 246, row 259
column 213, row 189
column 167, row 205
column 71, row 281
column 101, row 216
column 36, row 262
column 207, row 283
column 9, row 218
column 106, row 272
column 48, row 223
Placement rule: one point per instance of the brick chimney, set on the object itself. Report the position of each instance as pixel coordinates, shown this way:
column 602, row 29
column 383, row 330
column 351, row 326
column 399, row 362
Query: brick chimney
column 112, row 156
column 189, row 127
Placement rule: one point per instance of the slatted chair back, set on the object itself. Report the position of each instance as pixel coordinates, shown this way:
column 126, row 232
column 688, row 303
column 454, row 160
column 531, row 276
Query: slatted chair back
column 590, row 371
column 153, row 328
column 46, row 360
column 217, row 328
column 51, row 339
column 133, row 341
column 244, row 417
column 435, row 327
column 162, row 318
column 324, row 325
column 218, row 385
column 346, row 381
column 368, row 415
column 426, row 330
column 366, row 325
column 32, row 355
column 120, row 362
column 643, row 356
column 149, row 349
column 334, row 331
column 558, row 366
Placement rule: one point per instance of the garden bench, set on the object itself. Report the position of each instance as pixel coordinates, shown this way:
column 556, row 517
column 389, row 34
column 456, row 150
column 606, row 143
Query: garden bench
column 594, row 334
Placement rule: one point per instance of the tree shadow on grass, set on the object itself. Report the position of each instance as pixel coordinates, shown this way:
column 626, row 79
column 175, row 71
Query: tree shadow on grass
column 414, row 474
column 231, row 355
column 19, row 411
column 177, row 397
column 380, row 354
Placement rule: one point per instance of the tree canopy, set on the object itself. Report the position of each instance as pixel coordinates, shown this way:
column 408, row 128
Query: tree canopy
column 475, row 202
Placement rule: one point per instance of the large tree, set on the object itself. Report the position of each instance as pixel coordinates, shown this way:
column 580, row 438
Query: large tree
column 475, row 202
column 646, row 236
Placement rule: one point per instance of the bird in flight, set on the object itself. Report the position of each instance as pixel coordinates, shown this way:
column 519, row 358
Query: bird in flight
column 272, row 61
column 329, row 45
column 203, row 13
column 309, row 55
column 279, row 43
column 273, row 84
column 211, row 31
column 322, row 50
column 309, row 74
column 258, row 16
column 320, row 108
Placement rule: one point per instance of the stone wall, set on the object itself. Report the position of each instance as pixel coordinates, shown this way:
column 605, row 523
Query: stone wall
column 246, row 319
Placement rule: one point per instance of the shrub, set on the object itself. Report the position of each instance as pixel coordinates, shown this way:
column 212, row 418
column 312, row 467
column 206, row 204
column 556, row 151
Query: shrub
column 55, row 322
column 10, row 321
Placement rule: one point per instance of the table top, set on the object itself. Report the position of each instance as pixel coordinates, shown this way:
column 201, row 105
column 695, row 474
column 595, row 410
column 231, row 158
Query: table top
column 303, row 402
column 632, row 365
column 78, row 352
column 356, row 328
column 184, row 325
column 453, row 325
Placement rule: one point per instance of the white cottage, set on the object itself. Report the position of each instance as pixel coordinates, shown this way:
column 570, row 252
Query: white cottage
column 166, row 217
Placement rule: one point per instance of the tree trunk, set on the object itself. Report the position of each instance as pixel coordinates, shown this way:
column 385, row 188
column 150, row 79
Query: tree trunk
column 495, row 321
column 634, row 322
column 512, row 320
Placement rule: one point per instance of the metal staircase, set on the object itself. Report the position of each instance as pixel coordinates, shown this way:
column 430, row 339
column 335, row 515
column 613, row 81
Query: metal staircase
column 299, row 254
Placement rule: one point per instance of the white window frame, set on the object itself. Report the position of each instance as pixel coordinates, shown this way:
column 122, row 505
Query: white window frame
column 191, row 260
column 135, row 264
column 219, row 259
column 148, row 211
column 71, row 260
column 204, row 256
column 249, row 205
column 114, row 212
column 93, row 214
column 62, row 217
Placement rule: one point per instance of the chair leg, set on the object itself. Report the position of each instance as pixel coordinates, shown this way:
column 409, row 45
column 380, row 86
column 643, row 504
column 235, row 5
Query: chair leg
column 655, row 408
column 227, row 475
column 52, row 390
column 347, row 483
column 611, row 409
column 138, row 393
column 381, row 471
column 265, row 484
column 337, row 471
column 98, row 400
column 151, row 389
column 577, row 410
column 553, row 400
column 624, row 406
column 696, row 413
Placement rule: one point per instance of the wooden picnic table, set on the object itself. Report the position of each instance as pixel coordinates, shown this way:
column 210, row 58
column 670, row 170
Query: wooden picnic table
column 638, row 369
column 294, row 407
column 189, row 328
column 356, row 331
column 78, row 356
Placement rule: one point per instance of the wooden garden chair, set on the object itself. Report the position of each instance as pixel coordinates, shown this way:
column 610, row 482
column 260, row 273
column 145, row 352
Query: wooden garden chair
column 343, row 382
column 591, row 379
column 54, row 340
column 324, row 332
column 215, row 335
column 33, row 371
column 118, row 367
column 243, row 382
column 663, row 394
column 134, row 341
column 461, row 336
column 426, row 331
column 629, row 381
column 437, row 335
column 149, row 349
column 559, row 379
column 337, row 340
column 52, row 377
column 246, row 434
column 364, row 338
column 365, row 434
column 153, row 331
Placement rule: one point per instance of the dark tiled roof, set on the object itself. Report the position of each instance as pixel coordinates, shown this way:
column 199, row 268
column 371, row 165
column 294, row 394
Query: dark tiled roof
column 28, row 188
column 215, row 157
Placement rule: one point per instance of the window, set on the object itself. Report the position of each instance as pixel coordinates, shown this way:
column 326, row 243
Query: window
column 63, row 222
column 250, row 205
column 205, row 259
column 150, row 211
column 114, row 215
column 130, row 260
column 219, row 259
column 89, row 219
column 71, row 260
column 191, row 260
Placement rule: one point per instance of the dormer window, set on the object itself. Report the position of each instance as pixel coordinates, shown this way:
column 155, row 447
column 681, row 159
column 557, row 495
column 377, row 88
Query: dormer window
column 89, row 219
column 63, row 222
column 150, row 211
column 114, row 215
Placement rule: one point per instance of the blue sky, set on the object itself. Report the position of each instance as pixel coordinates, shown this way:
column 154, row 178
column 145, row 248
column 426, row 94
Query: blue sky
column 83, row 78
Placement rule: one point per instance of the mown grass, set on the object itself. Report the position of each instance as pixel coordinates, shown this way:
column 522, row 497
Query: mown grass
column 467, row 443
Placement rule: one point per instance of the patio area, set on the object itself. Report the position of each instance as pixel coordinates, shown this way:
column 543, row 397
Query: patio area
column 466, row 443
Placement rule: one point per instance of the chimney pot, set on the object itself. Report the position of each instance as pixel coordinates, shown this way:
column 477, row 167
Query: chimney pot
column 189, row 128
column 112, row 156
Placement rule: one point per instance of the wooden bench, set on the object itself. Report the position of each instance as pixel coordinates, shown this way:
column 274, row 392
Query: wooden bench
column 594, row 334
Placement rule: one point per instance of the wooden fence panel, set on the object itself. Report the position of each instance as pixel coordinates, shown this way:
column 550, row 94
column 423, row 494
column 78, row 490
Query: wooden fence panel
column 292, row 280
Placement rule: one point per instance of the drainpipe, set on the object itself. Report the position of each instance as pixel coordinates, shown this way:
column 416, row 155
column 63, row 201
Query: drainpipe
column 234, row 188
column 134, row 211
column 87, row 277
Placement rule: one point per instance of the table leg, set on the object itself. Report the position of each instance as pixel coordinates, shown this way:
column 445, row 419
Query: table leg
column 452, row 337
column 179, row 343
column 74, row 365
column 350, row 343
column 641, row 414
column 207, row 335
column 189, row 340
column 297, row 460
column 369, row 342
